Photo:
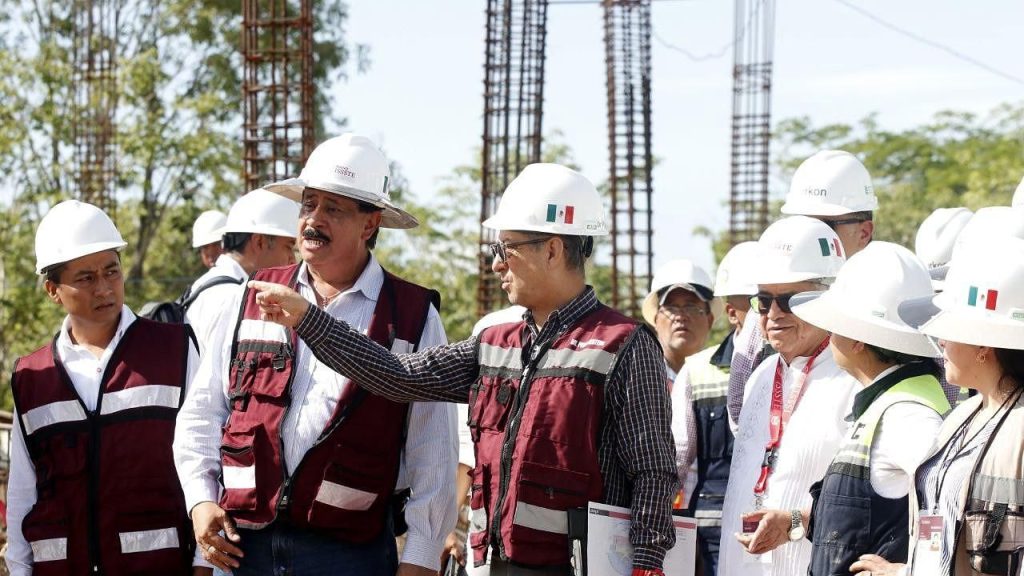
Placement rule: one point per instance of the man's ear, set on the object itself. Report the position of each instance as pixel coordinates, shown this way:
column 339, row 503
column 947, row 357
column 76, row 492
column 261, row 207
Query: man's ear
column 867, row 232
column 372, row 224
column 51, row 290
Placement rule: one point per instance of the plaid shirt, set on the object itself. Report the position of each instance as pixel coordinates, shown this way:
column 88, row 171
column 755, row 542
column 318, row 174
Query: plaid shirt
column 636, row 452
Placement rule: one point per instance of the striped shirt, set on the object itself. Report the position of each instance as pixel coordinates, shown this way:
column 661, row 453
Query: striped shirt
column 636, row 452
column 944, row 475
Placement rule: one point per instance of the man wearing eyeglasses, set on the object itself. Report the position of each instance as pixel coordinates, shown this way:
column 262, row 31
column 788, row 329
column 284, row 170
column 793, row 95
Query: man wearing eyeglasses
column 832, row 186
column 793, row 417
column 569, row 405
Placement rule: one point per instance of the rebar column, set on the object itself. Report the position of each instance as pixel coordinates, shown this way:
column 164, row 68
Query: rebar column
column 513, row 111
column 94, row 82
column 627, row 37
column 277, row 89
column 751, row 118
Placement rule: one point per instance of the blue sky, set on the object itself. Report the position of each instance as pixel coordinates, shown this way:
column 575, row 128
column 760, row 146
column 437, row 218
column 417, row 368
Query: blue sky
column 422, row 97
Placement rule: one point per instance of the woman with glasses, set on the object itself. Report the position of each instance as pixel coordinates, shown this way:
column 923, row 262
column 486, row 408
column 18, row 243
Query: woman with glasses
column 968, row 506
column 793, row 417
column 861, row 505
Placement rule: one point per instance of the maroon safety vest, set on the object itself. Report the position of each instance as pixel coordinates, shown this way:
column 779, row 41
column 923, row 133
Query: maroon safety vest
column 536, row 429
column 108, row 498
column 343, row 484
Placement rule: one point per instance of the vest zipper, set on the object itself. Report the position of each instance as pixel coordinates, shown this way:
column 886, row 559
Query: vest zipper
column 286, row 482
column 509, row 444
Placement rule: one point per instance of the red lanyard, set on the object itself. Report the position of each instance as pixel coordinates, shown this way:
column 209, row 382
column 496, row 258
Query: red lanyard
column 780, row 417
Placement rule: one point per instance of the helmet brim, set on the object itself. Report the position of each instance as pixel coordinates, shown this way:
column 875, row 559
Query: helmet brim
column 393, row 217
column 83, row 250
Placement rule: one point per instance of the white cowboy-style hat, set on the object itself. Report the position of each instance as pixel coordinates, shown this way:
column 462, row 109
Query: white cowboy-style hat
column 863, row 302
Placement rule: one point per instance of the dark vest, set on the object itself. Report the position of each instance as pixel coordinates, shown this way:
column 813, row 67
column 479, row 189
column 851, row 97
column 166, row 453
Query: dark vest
column 710, row 386
column 108, row 498
column 848, row 517
column 343, row 484
column 535, row 424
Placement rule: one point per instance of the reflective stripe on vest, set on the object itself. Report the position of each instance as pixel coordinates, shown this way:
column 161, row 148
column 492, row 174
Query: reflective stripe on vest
column 541, row 518
column 1009, row 491
column 52, row 413
column 239, row 477
column 344, row 497
column 49, row 550
column 148, row 396
column 148, row 540
column 260, row 330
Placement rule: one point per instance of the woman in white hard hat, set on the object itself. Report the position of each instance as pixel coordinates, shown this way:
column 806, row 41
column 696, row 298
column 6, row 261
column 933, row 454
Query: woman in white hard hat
column 861, row 505
column 968, row 506
column 796, row 401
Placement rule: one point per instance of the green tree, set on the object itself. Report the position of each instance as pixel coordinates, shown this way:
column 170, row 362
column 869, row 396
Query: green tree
column 178, row 123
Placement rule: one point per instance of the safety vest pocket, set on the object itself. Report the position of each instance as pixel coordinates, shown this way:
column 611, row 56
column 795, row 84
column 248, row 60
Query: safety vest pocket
column 491, row 400
column 841, row 532
column 545, row 493
column 344, row 495
column 238, row 471
column 45, row 528
column 565, row 396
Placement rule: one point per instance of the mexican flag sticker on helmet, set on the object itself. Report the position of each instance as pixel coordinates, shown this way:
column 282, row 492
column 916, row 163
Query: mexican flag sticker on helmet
column 560, row 213
column 830, row 248
column 979, row 297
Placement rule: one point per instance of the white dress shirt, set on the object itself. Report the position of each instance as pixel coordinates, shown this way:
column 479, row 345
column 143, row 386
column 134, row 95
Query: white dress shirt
column 428, row 461
column 86, row 373
column 205, row 312
column 809, row 442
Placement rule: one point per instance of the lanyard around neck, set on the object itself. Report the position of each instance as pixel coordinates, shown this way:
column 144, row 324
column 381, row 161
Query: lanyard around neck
column 780, row 414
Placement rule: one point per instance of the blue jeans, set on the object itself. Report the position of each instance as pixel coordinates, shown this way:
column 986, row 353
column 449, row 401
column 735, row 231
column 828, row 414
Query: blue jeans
column 281, row 550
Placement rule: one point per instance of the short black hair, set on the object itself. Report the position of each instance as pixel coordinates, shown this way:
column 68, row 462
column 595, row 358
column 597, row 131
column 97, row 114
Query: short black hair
column 235, row 241
column 54, row 272
column 1012, row 363
column 891, row 356
column 577, row 248
column 367, row 208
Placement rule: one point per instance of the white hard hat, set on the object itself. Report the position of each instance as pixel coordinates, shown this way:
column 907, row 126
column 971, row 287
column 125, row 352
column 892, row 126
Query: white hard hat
column 673, row 274
column 796, row 249
column 73, row 229
column 1018, row 195
column 983, row 300
column 987, row 223
column 262, row 212
column 863, row 303
column 208, row 228
column 353, row 166
column 734, row 270
column 830, row 183
column 938, row 233
column 550, row 198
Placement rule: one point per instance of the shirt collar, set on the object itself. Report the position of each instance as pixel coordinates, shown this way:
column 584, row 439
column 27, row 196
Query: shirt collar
column 228, row 262
column 566, row 316
column 722, row 358
column 886, row 380
column 65, row 343
column 368, row 283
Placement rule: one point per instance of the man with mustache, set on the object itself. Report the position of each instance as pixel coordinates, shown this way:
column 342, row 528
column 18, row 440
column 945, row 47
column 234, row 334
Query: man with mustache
column 793, row 418
column 288, row 465
column 259, row 233
column 92, row 486
column 569, row 404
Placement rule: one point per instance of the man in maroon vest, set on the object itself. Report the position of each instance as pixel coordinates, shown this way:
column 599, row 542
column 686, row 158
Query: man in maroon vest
column 92, row 486
column 568, row 406
column 288, row 465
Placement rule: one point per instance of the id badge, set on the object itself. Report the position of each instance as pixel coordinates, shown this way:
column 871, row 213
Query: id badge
column 749, row 527
column 928, row 549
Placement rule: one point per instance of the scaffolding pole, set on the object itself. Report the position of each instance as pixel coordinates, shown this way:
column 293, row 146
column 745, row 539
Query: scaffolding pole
column 277, row 89
column 94, row 82
column 627, row 36
column 513, row 111
column 751, row 118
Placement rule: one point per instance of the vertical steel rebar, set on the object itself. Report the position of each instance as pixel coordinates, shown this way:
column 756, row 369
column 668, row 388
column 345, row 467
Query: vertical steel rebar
column 751, row 118
column 513, row 115
column 94, row 81
column 277, row 89
column 627, row 37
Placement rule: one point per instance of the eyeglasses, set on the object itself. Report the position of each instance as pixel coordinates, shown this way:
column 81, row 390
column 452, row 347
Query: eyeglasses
column 686, row 310
column 500, row 250
column 833, row 224
column 762, row 303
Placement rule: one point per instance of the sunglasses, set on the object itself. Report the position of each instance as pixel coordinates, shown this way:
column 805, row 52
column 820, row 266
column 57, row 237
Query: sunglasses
column 500, row 250
column 762, row 303
column 833, row 224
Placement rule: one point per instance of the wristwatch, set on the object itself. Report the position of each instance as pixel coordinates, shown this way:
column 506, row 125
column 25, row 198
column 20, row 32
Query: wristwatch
column 648, row 572
column 796, row 525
